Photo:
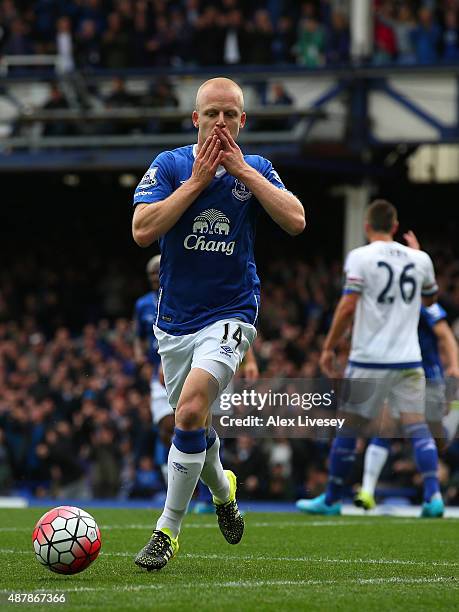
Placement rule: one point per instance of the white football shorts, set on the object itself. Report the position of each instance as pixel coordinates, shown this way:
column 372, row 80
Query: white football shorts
column 159, row 404
column 435, row 400
column 222, row 343
column 369, row 389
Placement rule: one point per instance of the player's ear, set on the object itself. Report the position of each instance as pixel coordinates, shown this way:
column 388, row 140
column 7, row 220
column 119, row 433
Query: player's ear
column 395, row 228
column 243, row 118
column 195, row 118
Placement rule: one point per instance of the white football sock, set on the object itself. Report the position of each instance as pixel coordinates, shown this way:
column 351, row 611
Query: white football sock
column 183, row 471
column 375, row 458
column 164, row 472
column 213, row 475
column 451, row 421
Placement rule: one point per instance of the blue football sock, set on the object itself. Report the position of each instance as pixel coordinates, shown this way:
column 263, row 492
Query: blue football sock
column 342, row 457
column 426, row 457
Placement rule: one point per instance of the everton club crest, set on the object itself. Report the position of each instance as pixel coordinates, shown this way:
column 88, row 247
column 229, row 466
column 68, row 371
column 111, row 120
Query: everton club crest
column 240, row 191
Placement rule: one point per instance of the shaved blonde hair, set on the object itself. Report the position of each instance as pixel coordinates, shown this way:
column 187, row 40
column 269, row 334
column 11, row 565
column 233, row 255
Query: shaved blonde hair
column 224, row 83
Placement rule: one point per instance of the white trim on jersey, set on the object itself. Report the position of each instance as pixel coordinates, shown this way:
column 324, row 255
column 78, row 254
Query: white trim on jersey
column 256, row 314
column 160, row 295
column 431, row 289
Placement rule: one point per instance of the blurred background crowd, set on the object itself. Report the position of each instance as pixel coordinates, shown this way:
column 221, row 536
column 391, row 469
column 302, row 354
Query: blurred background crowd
column 117, row 34
column 75, row 416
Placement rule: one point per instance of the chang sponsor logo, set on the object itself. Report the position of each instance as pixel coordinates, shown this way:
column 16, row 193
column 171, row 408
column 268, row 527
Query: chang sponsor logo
column 212, row 223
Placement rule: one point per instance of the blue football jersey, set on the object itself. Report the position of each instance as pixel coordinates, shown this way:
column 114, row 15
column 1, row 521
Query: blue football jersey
column 144, row 316
column 429, row 342
column 207, row 270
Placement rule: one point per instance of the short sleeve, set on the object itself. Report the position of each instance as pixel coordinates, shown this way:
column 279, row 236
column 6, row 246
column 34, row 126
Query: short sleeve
column 353, row 273
column 429, row 284
column 434, row 314
column 158, row 181
column 267, row 170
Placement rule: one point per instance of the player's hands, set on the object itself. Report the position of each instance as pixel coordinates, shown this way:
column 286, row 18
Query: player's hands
column 232, row 159
column 207, row 161
column 327, row 363
column 411, row 240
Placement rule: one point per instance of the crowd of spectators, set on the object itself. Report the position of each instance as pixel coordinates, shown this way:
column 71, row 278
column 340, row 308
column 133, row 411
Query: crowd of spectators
column 117, row 34
column 75, row 416
column 416, row 33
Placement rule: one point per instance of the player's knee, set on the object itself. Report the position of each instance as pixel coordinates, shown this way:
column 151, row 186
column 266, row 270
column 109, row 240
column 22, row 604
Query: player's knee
column 192, row 412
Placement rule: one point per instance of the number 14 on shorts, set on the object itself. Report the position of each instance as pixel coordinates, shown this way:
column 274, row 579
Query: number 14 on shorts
column 235, row 334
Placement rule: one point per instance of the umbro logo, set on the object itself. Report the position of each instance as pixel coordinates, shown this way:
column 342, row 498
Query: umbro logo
column 226, row 351
column 179, row 467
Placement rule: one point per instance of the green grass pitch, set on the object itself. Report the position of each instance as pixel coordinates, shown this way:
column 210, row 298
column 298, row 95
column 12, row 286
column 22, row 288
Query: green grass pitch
column 284, row 562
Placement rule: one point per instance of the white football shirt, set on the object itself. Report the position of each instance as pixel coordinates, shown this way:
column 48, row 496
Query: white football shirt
column 391, row 279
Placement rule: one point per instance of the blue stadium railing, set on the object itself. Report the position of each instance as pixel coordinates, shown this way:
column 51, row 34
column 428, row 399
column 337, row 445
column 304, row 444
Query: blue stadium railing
column 351, row 88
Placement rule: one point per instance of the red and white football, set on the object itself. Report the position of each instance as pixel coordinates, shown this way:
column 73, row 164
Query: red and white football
column 66, row 540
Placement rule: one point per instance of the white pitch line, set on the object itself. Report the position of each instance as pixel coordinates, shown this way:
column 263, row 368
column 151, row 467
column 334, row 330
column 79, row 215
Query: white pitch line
column 217, row 557
column 367, row 522
column 258, row 584
column 214, row 525
column 281, row 524
column 359, row 561
column 323, row 560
